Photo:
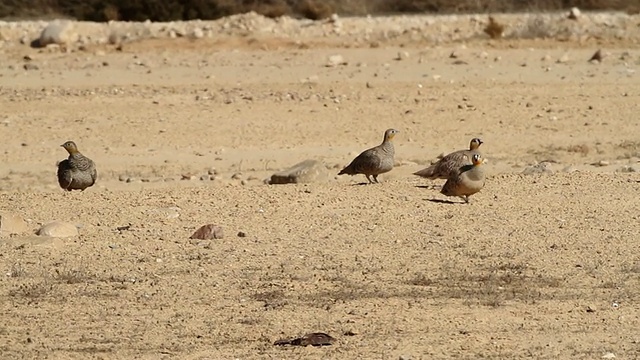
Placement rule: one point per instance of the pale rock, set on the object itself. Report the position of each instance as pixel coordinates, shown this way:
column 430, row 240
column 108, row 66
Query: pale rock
column 58, row 32
column 307, row 171
column 58, row 229
column 11, row 223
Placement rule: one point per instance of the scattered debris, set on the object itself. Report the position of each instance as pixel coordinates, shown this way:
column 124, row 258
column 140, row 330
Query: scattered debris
column 208, row 232
column 307, row 171
column 313, row 339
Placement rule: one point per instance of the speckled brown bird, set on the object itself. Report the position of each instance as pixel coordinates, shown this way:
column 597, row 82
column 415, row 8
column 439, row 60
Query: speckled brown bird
column 451, row 163
column 77, row 172
column 467, row 181
column 375, row 161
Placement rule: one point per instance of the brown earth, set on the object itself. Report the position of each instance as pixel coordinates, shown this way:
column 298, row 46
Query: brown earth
column 542, row 266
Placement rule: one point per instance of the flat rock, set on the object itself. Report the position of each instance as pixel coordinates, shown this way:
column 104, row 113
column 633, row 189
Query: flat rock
column 58, row 229
column 208, row 232
column 307, row 171
column 11, row 223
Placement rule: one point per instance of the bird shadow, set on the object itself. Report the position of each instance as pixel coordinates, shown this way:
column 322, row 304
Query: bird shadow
column 428, row 187
column 440, row 201
column 361, row 184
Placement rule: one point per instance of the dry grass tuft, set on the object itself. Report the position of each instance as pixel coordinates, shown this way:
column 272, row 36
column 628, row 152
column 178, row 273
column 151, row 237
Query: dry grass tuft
column 494, row 29
column 582, row 149
column 315, row 9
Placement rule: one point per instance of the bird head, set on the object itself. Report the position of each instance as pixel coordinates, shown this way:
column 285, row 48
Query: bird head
column 390, row 134
column 475, row 143
column 71, row 147
column 476, row 159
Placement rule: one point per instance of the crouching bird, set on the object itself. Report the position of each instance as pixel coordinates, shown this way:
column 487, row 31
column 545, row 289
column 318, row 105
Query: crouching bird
column 469, row 180
column 77, row 172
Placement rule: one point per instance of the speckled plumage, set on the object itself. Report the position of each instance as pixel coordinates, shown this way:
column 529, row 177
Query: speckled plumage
column 375, row 161
column 451, row 163
column 469, row 180
column 77, row 172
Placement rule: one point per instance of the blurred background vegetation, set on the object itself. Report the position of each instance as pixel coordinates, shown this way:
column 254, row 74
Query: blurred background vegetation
column 168, row 10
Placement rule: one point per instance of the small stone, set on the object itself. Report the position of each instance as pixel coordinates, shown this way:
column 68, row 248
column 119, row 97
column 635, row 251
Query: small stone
column 307, row 171
column 11, row 223
column 197, row 33
column 237, row 176
column 563, row 59
column 205, row 177
column 242, row 234
column 188, row 177
column 336, row 60
column 574, row 13
column 208, row 232
column 609, row 355
column 212, row 171
column 30, row 66
column 58, row 229
column 601, row 163
column 405, row 357
column 402, row 55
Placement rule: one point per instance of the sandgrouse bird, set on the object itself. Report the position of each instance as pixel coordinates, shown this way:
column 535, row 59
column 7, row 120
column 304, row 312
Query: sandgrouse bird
column 467, row 181
column 77, row 172
column 451, row 163
column 375, row 161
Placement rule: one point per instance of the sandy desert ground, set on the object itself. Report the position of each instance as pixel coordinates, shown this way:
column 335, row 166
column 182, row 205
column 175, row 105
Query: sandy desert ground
column 541, row 266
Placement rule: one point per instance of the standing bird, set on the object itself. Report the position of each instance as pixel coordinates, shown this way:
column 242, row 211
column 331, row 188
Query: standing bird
column 451, row 163
column 375, row 161
column 77, row 172
column 467, row 181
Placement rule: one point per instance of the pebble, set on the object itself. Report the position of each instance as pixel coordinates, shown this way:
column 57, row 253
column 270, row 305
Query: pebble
column 336, row 60
column 601, row 163
column 402, row 55
column 563, row 59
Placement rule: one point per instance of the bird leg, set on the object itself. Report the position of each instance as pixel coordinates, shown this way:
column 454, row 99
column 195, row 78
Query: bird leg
column 368, row 178
column 375, row 177
column 465, row 198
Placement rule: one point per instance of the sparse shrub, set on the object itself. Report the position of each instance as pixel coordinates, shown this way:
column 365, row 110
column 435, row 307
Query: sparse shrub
column 494, row 29
column 315, row 9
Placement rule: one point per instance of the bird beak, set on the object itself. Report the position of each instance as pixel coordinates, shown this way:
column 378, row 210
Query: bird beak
column 62, row 145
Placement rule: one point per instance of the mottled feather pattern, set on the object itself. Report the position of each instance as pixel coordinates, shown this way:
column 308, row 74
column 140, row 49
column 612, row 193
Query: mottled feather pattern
column 374, row 161
column 77, row 172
